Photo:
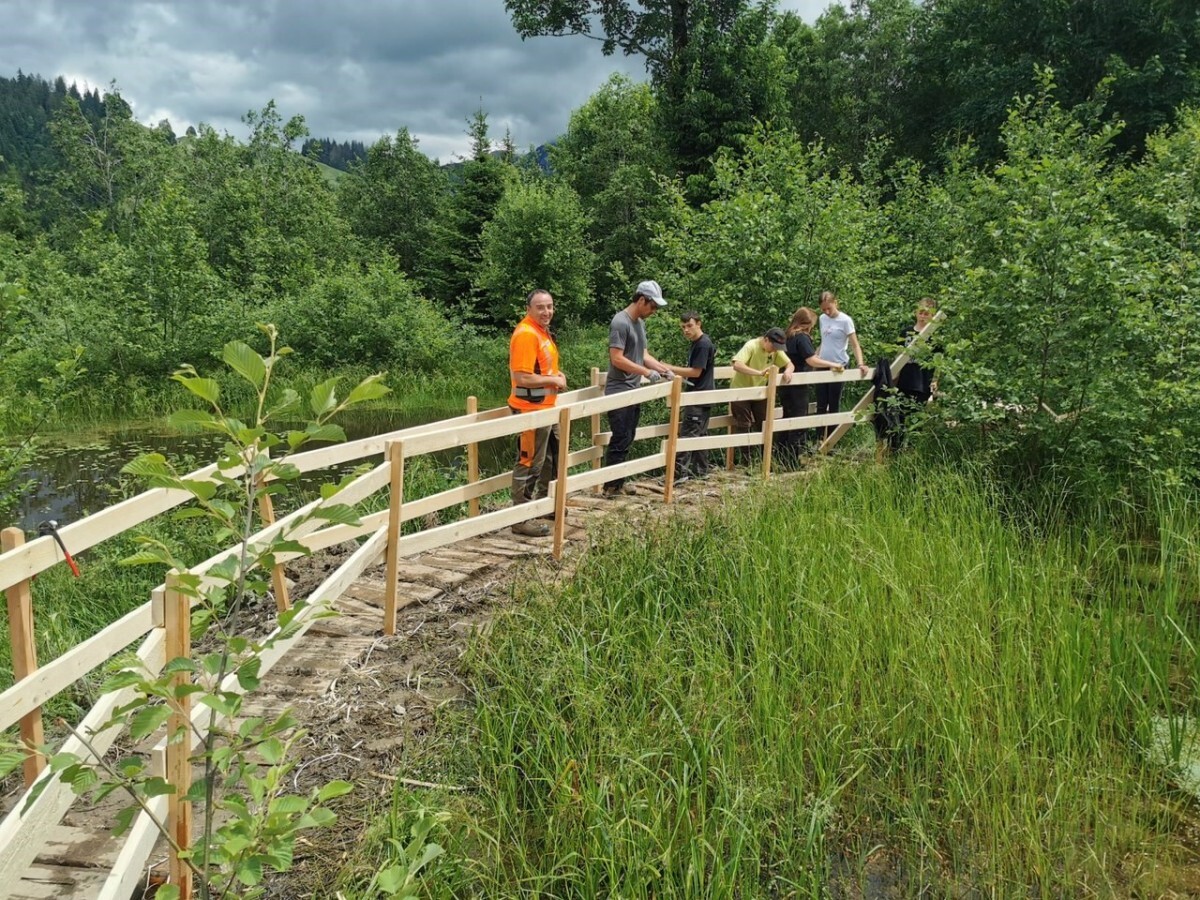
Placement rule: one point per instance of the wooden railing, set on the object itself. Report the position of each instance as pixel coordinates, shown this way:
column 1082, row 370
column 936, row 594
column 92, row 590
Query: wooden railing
column 162, row 624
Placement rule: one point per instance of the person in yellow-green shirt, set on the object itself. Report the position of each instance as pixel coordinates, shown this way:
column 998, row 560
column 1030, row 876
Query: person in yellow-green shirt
column 750, row 366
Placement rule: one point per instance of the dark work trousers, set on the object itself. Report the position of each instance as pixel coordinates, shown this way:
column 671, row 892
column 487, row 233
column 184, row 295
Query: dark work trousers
column 694, row 423
column 748, row 415
column 795, row 404
column 829, row 400
column 622, row 423
column 537, row 462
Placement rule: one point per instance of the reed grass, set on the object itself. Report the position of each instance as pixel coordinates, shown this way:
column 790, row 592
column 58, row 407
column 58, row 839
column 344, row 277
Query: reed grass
column 867, row 677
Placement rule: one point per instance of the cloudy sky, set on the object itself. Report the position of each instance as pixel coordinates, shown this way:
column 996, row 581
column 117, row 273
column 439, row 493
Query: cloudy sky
column 355, row 69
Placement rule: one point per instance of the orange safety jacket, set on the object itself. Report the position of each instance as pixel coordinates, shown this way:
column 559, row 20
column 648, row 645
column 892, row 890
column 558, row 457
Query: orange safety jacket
column 532, row 350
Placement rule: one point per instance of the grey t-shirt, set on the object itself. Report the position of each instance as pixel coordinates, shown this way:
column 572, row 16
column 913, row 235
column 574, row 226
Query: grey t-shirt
column 630, row 337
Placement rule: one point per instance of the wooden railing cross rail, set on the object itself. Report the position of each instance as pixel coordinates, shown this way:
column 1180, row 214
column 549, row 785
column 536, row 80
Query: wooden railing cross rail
column 165, row 620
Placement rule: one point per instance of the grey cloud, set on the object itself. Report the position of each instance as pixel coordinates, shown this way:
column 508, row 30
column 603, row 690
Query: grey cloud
column 354, row 70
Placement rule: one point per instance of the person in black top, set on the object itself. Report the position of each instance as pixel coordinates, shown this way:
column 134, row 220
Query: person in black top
column 915, row 381
column 698, row 376
column 795, row 398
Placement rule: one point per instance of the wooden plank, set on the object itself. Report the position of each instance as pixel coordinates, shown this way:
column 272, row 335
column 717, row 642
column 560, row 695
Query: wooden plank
column 178, row 629
column 71, row 845
column 643, row 433
column 59, row 674
column 266, row 509
column 41, row 882
column 672, row 438
column 23, row 831
column 472, row 460
column 129, row 868
column 594, row 421
column 412, row 544
column 395, row 456
column 560, row 482
column 768, row 428
column 24, row 659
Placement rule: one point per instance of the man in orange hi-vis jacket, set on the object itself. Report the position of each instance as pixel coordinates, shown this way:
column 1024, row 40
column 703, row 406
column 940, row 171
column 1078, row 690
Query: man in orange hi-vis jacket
column 536, row 383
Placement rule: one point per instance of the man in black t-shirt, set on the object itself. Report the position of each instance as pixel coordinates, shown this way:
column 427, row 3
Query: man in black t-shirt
column 698, row 376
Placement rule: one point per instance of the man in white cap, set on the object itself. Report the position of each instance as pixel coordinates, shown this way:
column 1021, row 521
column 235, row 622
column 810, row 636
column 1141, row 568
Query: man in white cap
column 628, row 363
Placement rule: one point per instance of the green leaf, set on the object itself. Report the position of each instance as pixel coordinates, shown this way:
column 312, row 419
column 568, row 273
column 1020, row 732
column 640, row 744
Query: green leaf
column 192, row 418
column 272, row 751
column 323, row 399
column 204, row 388
column 247, row 673
column 9, row 761
column 391, row 879
column 147, row 720
column 328, row 432
column 125, row 819
column 288, row 805
column 370, row 388
column 250, row 872
column 334, row 789
column 147, row 465
column 239, row 357
column 337, row 514
column 205, row 490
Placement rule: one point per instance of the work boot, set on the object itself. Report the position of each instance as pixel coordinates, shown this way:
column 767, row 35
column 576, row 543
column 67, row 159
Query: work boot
column 626, row 489
column 531, row 529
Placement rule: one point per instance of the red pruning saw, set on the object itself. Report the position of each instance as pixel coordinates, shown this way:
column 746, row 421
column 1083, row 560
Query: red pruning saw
column 50, row 529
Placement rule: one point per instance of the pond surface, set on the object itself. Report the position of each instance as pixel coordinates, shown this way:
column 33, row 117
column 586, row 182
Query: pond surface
column 74, row 475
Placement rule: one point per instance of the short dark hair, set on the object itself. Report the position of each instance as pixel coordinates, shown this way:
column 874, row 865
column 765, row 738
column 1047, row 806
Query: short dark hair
column 690, row 316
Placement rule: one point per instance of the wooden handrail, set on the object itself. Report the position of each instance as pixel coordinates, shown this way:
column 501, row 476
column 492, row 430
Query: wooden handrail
column 21, row 831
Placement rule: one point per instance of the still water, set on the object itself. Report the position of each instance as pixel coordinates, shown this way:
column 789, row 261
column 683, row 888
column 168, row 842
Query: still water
column 74, row 475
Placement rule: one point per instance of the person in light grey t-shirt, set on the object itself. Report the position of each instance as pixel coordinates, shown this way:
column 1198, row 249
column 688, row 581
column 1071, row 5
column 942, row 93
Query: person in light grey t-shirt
column 837, row 331
column 628, row 363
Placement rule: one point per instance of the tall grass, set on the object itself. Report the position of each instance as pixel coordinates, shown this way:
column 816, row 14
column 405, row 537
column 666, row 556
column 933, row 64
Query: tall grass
column 867, row 675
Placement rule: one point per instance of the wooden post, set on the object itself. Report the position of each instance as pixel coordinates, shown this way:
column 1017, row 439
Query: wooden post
column 177, row 623
column 672, row 438
column 472, row 460
column 24, row 657
column 769, row 421
column 395, row 455
column 729, row 450
column 560, row 483
column 266, row 509
column 597, row 462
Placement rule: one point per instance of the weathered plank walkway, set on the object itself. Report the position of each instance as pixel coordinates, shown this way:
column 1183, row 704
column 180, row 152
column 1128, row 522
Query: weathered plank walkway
column 82, row 852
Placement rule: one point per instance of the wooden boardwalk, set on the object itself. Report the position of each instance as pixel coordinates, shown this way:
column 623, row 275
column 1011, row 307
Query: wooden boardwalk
column 81, row 852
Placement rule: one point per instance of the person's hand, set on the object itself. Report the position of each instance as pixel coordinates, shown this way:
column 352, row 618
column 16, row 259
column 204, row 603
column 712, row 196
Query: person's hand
column 654, row 377
column 787, row 378
column 561, row 381
column 838, row 368
column 862, row 369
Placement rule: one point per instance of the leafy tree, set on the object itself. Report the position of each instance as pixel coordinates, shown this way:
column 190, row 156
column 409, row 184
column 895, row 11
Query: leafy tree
column 458, row 249
column 975, row 55
column 612, row 155
column 785, row 224
column 370, row 318
column 537, row 239
column 852, row 71
column 656, row 29
column 109, row 167
column 1053, row 327
column 397, row 197
column 730, row 76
